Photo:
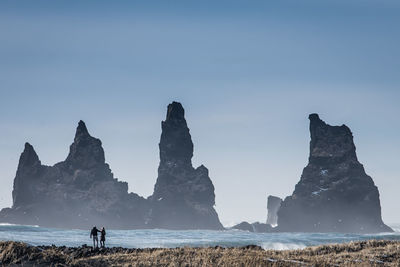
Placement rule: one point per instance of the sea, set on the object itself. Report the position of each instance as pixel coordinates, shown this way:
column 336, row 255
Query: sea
column 35, row 235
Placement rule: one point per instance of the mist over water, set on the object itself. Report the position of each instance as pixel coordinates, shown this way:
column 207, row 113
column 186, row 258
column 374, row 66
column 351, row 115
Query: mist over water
column 35, row 235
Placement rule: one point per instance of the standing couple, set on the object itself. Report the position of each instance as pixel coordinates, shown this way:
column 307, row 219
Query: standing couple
column 93, row 234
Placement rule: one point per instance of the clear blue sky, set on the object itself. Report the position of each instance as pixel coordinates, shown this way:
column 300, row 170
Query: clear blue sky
column 247, row 72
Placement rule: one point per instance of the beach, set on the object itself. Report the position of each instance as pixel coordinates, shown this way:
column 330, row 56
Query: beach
column 364, row 253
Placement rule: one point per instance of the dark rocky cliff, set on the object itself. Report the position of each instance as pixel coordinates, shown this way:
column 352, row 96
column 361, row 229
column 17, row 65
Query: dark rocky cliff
column 183, row 196
column 334, row 193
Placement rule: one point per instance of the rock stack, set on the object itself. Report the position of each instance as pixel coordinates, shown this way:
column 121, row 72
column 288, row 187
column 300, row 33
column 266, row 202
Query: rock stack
column 183, row 196
column 78, row 192
column 334, row 193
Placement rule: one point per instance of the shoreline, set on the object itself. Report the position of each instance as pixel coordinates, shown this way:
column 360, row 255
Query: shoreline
column 370, row 253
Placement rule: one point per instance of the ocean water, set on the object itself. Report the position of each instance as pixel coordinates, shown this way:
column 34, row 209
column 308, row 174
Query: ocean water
column 35, row 235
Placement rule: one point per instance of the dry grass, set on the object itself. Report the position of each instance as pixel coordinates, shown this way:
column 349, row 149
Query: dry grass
column 366, row 253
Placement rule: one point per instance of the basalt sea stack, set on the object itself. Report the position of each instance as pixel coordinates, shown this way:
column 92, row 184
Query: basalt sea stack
column 183, row 196
column 78, row 192
column 334, row 193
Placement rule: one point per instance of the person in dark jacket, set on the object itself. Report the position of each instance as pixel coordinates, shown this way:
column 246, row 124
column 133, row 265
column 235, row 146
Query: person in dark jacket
column 103, row 238
column 93, row 234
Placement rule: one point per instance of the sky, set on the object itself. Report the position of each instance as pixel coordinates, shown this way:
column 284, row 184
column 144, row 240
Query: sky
column 248, row 73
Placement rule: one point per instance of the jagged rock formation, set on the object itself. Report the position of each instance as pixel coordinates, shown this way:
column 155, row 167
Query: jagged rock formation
column 253, row 227
column 78, row 192
column 334, row 193
column 183, row 196
column 82, row 191
column 273, row 205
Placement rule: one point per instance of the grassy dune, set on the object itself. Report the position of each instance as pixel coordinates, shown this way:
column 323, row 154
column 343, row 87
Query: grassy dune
column 366, row 253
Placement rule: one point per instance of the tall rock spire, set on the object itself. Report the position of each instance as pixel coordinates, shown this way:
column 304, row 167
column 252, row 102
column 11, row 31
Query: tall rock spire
column 176, row 143
column 183, row 197
column 334, row 193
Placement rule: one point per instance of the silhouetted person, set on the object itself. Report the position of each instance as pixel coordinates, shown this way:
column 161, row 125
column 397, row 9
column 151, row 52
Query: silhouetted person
column 93, row 234
column 103, row 238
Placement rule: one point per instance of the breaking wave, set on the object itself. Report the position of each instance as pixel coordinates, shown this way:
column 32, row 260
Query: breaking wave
column 282, row 246
column 11, row 224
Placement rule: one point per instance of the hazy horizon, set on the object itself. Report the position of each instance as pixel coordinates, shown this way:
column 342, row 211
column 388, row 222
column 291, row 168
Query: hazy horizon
column 247, row 75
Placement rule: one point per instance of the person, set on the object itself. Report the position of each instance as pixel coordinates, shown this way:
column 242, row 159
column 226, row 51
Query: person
column 93, row 234
column 103, row 238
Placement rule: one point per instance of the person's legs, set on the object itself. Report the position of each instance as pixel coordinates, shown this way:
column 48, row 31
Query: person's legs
column 94, row 240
